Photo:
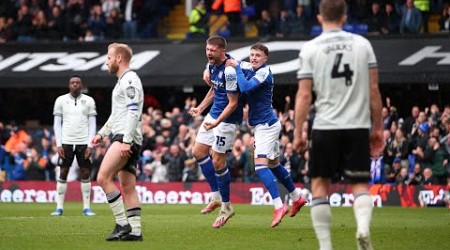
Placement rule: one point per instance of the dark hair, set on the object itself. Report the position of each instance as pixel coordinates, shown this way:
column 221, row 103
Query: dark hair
column 261, row 47
column 217, row 41
column 332, row 10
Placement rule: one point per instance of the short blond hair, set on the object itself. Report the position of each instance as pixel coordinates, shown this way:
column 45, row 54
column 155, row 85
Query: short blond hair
column 122, row 49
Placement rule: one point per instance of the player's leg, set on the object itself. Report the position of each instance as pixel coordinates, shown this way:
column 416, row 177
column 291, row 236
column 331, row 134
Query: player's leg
column 112, row 163
column 85, row 175
column 225, row 135
column 325, row 157
column 61, row 183
column 264, row 143
column 268, row 138
column 357, row 170
column 202, row 146
column 133, row 205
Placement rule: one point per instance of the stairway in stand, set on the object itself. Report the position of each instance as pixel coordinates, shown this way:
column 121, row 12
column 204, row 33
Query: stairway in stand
column 176, row 24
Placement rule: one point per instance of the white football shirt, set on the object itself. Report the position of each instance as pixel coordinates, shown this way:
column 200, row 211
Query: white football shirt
column 338, row 63
column 75, row 113
column 127, row 96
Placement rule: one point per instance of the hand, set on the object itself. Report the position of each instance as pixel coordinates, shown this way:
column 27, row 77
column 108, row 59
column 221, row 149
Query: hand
column 61, row 152
column 194, row 112
column 231, row 62
column 87, row 153
column 125, row 150
column 376, row 143
column 207, row 77
column 287, row 99
column 96, row 140
column 210, row 125
column 299, row 143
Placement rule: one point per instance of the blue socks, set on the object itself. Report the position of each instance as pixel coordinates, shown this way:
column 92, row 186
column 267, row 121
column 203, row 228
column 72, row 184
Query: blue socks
column 208, row 171
column 223, row 181
column 268, row 179
column 284, row 177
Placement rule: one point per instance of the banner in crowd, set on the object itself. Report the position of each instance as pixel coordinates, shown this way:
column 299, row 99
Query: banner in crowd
column 400, row 60
column 198, row 193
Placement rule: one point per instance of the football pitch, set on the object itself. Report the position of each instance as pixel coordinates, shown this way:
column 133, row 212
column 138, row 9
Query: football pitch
column 29, row 226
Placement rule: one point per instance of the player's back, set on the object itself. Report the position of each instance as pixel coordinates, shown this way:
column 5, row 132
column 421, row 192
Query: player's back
column 338, row 62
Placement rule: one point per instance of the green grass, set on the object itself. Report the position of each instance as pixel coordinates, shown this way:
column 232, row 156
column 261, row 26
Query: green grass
column 30, row 226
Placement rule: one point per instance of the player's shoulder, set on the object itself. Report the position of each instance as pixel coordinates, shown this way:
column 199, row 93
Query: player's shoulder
column 62, row 97
column 87, row 97
column 245, row 65
column 229, row 70
column 130, row 78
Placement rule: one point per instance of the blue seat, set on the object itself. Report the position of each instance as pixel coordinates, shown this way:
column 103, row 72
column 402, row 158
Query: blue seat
column 315, row 30
column 249, row 10
column 361, row 28
column 349, row 28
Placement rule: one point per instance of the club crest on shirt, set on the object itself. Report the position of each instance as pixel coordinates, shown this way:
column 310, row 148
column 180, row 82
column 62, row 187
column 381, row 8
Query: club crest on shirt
column 220, row 74
column 83, row 102
column 131, row 93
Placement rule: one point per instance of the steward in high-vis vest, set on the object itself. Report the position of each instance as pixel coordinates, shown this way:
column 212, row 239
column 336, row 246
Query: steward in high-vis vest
column 198, row 21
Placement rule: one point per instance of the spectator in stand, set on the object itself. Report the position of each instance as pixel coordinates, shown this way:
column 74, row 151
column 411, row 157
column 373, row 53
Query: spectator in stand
column 298, row 24
column 6, row 32
column 283, row 29
column 199, row 21
column 266, row 25
column 424, row 7
column 391, row 24
column 232, row 9
column 444, row 20
column 402, row 177
column 23, row 24
column 76, row 15
column 113, row 30
column 190, row 171
column 175, row 163
column 376, row 19
column 411, row 121
column 97, row 23
column 290, row 159
column 109, row 5
column 16, row 137
column 35, row 166
column 18, row 169
column 55, row 24
column 130, row 10
column 39, row 26
column 400, row 147
column 158, row 169
column 416, row 178
column 437, row 159
column 392, row 171
column 411, row 20
column 429, row 178
column 237, row 161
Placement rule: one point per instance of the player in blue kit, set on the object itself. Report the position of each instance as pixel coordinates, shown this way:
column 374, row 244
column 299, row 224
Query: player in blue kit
column 218, row 130
column 267, row 127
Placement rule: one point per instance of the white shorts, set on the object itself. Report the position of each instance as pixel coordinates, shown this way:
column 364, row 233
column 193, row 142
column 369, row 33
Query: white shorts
column 220, row 138
column 267, row 142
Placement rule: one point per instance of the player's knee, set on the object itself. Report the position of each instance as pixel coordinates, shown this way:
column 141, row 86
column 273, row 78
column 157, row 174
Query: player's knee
column 84, row 173
column 218, row 163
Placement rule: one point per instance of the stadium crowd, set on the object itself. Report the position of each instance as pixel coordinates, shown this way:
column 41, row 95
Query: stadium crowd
column 416, row 152
column 97, row 20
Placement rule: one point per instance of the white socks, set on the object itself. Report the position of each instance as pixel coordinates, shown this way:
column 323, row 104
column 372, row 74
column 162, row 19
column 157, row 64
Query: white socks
column 116, row 204
column 321, row 219
column 134, row 218
column 362, row 208
column 61, row 187
column 86, row 193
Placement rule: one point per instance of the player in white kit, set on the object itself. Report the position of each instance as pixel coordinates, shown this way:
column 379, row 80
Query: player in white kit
column 124, row 124
column 74, row 126
column 341, row 69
